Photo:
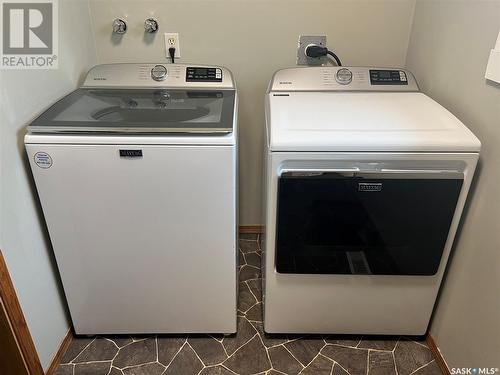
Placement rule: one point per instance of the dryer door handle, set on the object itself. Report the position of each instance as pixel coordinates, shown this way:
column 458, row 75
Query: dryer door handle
column 373, row 174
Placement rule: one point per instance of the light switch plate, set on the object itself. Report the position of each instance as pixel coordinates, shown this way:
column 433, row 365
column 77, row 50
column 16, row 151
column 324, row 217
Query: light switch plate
column 304, row 41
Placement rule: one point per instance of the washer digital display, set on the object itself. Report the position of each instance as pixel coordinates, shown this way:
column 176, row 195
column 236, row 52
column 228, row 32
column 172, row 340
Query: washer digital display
column 199, row 74
column 388, row 77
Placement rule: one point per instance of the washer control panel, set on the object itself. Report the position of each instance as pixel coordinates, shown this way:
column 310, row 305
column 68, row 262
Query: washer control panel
column 159, row 73
column 343, row 76
column 388, row 77
column 203, row 74
column 162, row 75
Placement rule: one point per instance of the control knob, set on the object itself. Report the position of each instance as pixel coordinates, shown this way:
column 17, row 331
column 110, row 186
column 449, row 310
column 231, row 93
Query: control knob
column 343, row 76
column 159, row 73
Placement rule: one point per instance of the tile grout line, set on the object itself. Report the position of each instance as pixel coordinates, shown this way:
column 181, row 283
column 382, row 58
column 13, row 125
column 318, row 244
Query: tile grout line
column 156, row 344
column 421, row 367
column 395, row 346
column 265, row 348
column 278, row 371
column 175, row 355
column 374, row 350
column 394, row 363
column 114, row 343
column 289, row 351
column 114, row 367
column 228, row 369
column 224, row 348
column 248, row 286
column 359, row 342
column 114, row 357
column 343, row 368
column 328, row 359
column 82, row 350
column 394, row 356
column 368, row 362
column 246, row 342
column 355, row 347
column 409, row 338
column 334, row 361
column 88, row 362
column 316, row 356
column 140, row 364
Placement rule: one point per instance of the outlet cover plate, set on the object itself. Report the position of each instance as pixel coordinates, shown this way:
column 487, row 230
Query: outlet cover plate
column 304, row 41
column 172, row 40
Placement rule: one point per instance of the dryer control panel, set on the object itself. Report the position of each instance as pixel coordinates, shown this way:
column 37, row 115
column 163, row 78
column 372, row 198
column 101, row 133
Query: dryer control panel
column 335, row 78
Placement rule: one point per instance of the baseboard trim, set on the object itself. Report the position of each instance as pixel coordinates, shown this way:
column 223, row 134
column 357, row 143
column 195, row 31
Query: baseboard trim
column 437, row 355
column 17, row 321
column 251, row 229
column 63, row 346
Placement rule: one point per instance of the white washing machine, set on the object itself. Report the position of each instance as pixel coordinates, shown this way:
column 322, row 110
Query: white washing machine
column 136, row 174
column 366, row 179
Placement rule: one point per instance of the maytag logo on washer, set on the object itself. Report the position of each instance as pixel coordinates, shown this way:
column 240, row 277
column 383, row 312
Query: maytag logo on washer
column 29, row 37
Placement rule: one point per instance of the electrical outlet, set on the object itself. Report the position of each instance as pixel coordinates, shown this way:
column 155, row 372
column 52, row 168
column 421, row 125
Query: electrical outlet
column 172, row 40
column 304, row 41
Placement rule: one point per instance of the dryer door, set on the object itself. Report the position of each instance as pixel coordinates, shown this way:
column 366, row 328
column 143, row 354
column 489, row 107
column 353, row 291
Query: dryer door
column 382, row 223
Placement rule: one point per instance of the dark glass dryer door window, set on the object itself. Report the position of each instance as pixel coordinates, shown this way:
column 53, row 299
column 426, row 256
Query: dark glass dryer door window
column 364, row 223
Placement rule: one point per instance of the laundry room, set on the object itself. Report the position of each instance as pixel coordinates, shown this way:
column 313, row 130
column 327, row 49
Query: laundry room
column 249, row 187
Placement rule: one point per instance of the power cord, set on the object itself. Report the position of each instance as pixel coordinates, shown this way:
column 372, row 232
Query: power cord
column 171, row 52
column 316, row 51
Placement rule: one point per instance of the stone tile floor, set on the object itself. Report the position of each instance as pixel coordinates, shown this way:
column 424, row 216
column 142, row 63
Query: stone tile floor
column 250, row 351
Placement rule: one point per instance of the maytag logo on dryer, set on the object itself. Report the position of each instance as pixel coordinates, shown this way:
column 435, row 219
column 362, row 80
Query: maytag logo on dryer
column 29, row 37
column 370, row 186
column 131, row 153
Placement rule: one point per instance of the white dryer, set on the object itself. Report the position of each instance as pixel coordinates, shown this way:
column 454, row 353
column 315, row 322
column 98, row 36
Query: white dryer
column 366, row 179
column 136, row 174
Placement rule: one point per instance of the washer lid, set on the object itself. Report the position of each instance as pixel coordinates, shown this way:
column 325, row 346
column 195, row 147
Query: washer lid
column 363, row 121
column 140, row 111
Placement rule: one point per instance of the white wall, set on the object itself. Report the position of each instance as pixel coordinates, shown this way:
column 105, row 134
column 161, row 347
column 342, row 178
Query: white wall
column 448, row 53
column 23, row 237
column 254, row 38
